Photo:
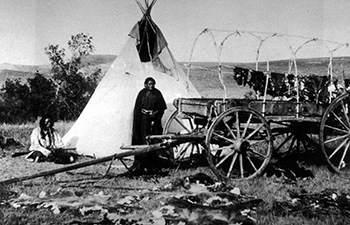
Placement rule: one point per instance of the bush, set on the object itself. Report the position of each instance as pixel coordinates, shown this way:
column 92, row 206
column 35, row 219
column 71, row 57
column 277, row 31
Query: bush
column 64, row 95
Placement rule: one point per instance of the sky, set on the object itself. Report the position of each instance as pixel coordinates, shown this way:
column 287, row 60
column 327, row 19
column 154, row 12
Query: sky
column 28, row 26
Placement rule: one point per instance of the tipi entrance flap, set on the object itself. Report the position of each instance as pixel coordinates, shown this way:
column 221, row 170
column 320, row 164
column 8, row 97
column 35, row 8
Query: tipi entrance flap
column 150, row 40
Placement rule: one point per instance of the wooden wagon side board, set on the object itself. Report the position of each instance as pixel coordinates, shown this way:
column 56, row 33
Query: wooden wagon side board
column 202, row 107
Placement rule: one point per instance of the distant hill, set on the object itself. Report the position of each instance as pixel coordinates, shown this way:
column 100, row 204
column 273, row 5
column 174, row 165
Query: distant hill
column 202, row 79
column 307, row 66
column 25, row 68
column 13, row 71
column 90, row 60
column 204, row 75
column 95, row 60
column 22, row 72
column 14, row 74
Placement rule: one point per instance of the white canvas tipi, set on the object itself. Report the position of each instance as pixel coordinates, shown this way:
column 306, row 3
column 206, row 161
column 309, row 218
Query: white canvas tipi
column 106, row 122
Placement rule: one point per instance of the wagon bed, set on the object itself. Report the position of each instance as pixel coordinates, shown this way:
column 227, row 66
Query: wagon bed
column 241, row 135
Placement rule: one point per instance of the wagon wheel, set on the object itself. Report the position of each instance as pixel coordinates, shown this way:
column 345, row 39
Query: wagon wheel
column 239, row 144
column 179, row 123
column 294, row 136
column 335, row 133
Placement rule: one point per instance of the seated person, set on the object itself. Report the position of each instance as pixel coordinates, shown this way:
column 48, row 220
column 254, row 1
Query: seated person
column 46, row 143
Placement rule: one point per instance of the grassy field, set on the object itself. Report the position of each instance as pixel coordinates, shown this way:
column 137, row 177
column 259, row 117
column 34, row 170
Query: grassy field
column 274, row 191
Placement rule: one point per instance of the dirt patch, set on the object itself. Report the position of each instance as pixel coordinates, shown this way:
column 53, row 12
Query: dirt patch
column 90, row 195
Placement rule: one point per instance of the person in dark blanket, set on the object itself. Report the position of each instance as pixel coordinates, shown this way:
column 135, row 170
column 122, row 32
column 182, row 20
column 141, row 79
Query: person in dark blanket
column 148, row 112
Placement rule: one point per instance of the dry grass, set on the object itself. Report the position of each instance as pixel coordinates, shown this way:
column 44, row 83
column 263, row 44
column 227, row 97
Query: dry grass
column 91, row 180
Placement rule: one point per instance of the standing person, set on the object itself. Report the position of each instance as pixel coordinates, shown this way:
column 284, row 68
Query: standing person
column 45, row 141
column 148, row 112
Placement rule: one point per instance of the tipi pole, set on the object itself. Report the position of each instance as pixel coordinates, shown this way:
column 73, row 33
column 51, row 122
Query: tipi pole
column 140, row 149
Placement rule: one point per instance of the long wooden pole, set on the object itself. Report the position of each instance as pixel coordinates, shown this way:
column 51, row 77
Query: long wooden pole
column 140, row 149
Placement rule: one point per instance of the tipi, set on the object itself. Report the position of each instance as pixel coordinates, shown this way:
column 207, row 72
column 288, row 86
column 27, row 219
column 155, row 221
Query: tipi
column 106, row 122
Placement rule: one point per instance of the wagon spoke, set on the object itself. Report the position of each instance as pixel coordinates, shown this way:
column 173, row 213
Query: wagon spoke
column 298, row 143
column 342, row 123
column 222, row 137
column 182, row 156
column 256, row 130
column 198, row 148
column 258, row 153
column 179, row 157
column 251, row 163
column 229, row 129
column 336, row 138
column 285, row 141
column 241, row 165
column 184, row 146
column 237, row 126
column 182, row 125
column 344, row 154
column 224, row 159
column 247, row 125
column 193, row 126
column 232, row 164
column 338, row 148
column 223, row 147
column 292, row 143
column 335, row 128
column 181, row 152
column 192, row 148
column 345, row 111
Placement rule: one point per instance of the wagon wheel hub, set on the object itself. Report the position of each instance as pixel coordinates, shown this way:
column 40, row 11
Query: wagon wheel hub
column 241, row 146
